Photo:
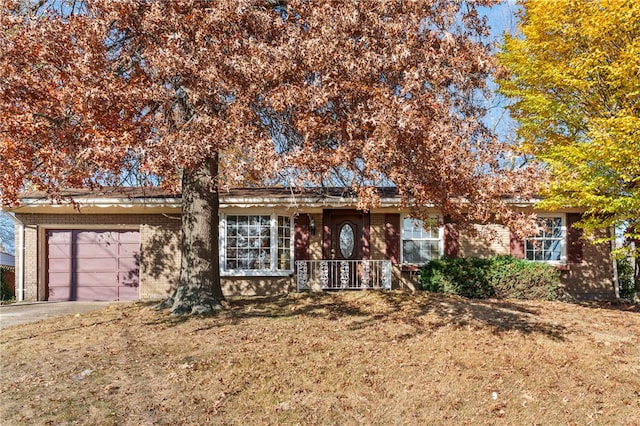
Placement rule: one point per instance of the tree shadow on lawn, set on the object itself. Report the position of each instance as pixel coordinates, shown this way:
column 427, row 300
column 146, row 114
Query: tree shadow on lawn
column 445, row 311
column 424, row 312
column 499, row 316
column 327, row 305
column 609, row 305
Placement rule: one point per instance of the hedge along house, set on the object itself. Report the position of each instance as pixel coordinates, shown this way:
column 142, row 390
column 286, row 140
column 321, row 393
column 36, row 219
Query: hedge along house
column 126, row 245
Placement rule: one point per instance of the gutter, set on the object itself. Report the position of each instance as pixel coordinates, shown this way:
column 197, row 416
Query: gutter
column 28, row 205
column 20, row 255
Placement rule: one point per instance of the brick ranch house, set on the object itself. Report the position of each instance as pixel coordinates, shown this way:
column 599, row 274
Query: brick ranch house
column 126, row 245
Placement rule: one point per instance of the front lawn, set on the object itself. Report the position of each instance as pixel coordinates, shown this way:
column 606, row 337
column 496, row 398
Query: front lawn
column 333, row 358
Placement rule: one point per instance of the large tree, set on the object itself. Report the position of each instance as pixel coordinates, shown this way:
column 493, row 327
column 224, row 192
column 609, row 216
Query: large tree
column 573, row 72
column 207, row 95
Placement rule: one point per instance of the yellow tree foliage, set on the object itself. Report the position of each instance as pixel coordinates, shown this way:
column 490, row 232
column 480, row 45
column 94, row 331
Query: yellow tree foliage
column 574, row 76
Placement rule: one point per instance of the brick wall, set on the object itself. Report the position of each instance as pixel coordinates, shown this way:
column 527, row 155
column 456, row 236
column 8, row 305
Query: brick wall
column 160, row 256
column 379, row 252
column 495, row 241
column 159, row 247
column 315, row 241
column 258, row 286
column 377, row 244
column 30, row 264
column 159, row 253
column 591, row 279
column 160, row 259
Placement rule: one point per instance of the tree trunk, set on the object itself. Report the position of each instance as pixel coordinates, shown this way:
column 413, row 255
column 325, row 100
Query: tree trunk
column 199, row 290
column 636, row 273
column 633, row 230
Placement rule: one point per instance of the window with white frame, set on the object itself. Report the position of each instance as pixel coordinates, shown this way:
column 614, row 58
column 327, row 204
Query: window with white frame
column 255, row 244
column 284, row 243
column 549, row 244
column 421, row 241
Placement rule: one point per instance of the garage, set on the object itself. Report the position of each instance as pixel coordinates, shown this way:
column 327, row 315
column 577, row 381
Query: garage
column 92, row 265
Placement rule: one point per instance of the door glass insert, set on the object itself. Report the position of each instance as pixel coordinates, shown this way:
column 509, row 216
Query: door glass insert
column 347, row 241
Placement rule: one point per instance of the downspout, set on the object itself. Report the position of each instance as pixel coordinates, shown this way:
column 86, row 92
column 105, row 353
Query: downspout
column 20, row 256
column 616, row 281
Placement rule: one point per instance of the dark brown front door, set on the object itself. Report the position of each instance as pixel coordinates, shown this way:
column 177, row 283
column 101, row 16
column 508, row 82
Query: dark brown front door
column 346, row 237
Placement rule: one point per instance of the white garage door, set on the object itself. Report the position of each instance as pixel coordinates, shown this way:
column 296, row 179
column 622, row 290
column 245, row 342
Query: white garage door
column 93, row 264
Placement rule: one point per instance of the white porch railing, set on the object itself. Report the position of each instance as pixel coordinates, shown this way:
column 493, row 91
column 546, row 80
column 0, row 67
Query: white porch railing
column 343, row 274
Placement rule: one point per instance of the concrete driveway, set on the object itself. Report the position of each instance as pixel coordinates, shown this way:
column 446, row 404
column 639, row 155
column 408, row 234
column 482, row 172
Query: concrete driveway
column 22, row 313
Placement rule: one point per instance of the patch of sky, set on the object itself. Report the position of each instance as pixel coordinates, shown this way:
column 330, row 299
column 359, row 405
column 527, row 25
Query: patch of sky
column 7, row 240
column 501, row 18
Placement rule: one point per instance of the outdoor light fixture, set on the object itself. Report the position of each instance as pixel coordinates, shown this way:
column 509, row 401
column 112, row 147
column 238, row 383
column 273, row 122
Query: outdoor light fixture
column 312, row 226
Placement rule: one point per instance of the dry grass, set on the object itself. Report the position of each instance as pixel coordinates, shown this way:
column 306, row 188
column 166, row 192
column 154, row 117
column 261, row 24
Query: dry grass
column 338, row 358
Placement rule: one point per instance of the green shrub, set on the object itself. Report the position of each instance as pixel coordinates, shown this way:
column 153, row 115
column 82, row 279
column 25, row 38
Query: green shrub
column 513, row 278
column 625, row 278
column 497, row 276
column 461, row 276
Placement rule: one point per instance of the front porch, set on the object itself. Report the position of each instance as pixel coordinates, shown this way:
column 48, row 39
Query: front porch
column 343, row 274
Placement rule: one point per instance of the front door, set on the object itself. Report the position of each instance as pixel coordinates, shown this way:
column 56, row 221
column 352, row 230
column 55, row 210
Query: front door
column 346, row 241
column 346, row 237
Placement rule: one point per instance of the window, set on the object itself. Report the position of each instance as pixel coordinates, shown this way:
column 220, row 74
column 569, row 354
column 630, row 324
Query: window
column 347, row 241
column 284, row 243
column 549, row 244
column 255, row 244
column 420, row 244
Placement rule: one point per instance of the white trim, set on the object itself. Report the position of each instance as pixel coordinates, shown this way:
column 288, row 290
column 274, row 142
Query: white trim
column 171, row 204
column 563, row 239
column 616, row 278
column 440, row 238
column 20, row 268
column 104, row 202
column 255, row 273
column 85, row 227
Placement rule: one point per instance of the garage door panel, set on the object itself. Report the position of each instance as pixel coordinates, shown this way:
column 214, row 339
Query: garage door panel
column 128, row 264
column 97, row 265
column 59, row 279
column 55, row 237
column 101, row 237
column 93, row 265
column 128, row 249
column 89, row 279
column 129, row 278
column 128, row 293
column 59, row 265
column 132, row 237
column 98, row 293
column 94, row 250
column 59, row 251
column 60, row 293
column 96, row 279
column 85, row 293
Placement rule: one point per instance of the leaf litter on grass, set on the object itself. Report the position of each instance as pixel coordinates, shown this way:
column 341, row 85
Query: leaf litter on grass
column 331, row 358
